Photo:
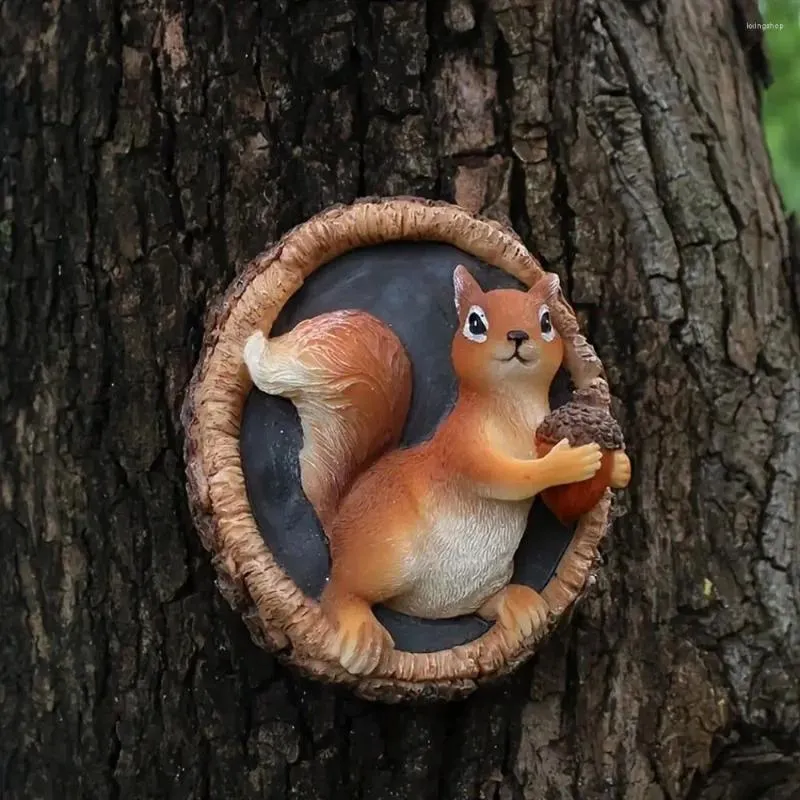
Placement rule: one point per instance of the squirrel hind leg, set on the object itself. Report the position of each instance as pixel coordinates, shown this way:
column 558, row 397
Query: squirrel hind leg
column 519, row 610
column 360, row 641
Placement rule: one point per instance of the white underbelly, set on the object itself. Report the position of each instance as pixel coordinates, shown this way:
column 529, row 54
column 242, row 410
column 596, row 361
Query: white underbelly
column 466, row 556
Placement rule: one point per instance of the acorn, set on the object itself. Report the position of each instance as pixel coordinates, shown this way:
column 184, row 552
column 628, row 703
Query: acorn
column 582, row 420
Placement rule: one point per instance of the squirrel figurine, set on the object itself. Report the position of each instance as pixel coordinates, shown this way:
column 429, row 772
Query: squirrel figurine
column 429, row 530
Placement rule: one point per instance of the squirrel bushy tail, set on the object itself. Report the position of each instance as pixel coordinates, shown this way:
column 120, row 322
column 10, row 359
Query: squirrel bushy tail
column 349, row 377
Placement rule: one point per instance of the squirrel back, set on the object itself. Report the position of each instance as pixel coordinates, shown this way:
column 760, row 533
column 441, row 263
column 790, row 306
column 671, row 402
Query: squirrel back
column 349, row 377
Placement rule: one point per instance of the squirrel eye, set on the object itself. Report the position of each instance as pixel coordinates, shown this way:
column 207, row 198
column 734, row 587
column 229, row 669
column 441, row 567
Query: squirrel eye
column 476, row 325
column 546, row 324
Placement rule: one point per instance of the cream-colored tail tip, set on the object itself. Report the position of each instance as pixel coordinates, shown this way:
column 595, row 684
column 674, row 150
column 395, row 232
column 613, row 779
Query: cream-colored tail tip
column 255, row 353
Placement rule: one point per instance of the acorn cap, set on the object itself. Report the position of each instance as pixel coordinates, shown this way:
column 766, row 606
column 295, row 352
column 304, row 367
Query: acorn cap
column 582, row 421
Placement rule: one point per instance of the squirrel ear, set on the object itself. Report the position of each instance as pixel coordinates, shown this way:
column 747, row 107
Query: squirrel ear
column 546, row 286
column 467, row 289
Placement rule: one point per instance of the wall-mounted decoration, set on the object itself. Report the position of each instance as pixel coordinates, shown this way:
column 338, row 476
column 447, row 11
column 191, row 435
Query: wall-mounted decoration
column 399, row 449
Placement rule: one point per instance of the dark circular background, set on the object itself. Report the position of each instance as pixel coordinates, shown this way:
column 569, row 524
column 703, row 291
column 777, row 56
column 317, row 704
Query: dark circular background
column 409, row 285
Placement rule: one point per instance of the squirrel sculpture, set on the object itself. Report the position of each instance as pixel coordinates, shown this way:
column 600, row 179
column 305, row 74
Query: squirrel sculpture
column 430, row 530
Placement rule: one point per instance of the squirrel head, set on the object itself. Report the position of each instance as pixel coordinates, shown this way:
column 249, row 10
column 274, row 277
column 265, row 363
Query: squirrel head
column 506, row 338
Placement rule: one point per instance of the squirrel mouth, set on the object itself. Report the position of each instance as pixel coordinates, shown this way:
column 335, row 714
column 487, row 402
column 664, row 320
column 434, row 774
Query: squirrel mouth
column 518, row 357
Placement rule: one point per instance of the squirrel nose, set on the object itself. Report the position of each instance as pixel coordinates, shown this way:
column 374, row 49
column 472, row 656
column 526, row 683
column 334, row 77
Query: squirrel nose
column 518, row 337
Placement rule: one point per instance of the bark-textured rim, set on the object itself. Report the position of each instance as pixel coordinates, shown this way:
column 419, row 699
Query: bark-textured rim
column 279, row 616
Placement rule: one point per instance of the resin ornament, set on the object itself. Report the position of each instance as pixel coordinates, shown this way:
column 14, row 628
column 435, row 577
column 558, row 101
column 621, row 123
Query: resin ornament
column 362, row 453
column 429, row 530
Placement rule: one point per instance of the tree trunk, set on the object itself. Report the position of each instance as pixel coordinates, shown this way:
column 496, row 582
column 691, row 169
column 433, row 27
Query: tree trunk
column 150, row 147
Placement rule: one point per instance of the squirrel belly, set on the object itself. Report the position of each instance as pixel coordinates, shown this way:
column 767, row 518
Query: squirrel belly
column 421, row 541
column 465, row 556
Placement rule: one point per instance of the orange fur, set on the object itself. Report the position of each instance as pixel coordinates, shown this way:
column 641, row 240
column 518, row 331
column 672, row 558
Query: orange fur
column 430, row 530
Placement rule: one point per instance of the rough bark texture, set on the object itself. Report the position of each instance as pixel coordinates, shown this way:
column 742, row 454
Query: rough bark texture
column 151, row 146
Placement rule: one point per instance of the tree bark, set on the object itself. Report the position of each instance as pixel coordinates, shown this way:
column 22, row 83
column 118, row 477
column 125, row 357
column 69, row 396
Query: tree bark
column 150, row 147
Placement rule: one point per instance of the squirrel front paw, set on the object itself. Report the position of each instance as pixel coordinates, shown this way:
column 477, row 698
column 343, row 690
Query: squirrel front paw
column 518, row 609
column 360, row 641
column 621, row 470
column 573, row 464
